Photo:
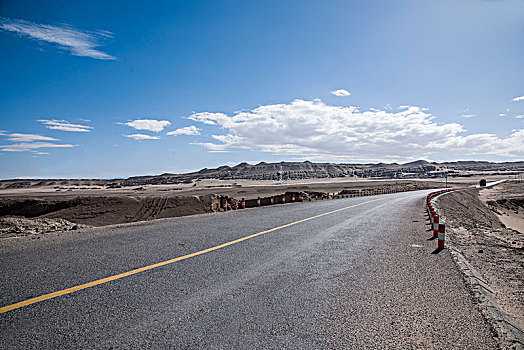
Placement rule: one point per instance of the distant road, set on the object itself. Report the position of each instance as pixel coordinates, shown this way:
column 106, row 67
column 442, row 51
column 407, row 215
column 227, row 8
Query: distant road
column 345, row 274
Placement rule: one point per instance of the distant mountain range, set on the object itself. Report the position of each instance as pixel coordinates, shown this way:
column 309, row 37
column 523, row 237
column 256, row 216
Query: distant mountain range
column 309, row 170
column 297, row 171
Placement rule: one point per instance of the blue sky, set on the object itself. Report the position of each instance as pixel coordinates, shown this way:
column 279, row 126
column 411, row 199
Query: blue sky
column 97, row 89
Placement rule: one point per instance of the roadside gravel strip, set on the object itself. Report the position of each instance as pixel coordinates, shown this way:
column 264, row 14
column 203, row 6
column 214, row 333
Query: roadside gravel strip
column 491, row 258
column 357, row 278
column 511, row 335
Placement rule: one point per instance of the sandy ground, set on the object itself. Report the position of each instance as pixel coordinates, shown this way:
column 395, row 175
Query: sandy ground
column 494, row 250
column 507, row 202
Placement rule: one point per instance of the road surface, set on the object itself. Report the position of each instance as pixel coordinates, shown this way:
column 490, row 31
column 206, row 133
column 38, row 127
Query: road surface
column 345, row 274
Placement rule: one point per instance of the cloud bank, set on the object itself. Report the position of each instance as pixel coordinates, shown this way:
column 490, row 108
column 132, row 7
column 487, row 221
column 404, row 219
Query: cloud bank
column 79, row 43
column 317, row 131
column 520, row 98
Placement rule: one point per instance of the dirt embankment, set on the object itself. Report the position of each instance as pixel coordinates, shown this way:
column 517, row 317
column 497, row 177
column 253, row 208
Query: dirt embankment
column 100, row 211
column 495, row 251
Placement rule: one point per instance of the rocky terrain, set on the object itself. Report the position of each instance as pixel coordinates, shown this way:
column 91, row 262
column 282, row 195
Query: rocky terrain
column 19, row 226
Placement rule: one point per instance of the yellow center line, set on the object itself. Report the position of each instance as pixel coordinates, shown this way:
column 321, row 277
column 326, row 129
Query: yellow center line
column 162, row 263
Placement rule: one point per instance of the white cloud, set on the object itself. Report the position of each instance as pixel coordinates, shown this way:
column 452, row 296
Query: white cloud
column 188, row 130
column 213, row 148
column 31, row 146
column 520, row 98
column 340, row 92
column 80, row 43
column 64, row 125
column 468, row 115
column 140, row 137
column 209, row 118
column 314, row 130
column 502, row 115
column 8, row 149
column 148, row 124
column 16, row 137
column 30, row 143
column 520, row 116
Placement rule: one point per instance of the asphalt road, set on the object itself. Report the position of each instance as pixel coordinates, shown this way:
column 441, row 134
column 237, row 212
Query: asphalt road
column 362, row 277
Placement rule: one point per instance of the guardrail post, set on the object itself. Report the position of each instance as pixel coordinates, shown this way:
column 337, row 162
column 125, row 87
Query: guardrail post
column 436, row 227
column 441, row 236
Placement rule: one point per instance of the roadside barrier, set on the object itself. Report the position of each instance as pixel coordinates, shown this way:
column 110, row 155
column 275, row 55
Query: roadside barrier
column 226, row 203
column 439, row 228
